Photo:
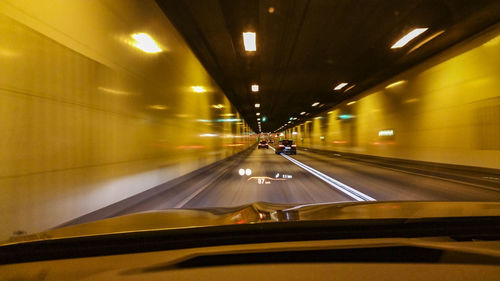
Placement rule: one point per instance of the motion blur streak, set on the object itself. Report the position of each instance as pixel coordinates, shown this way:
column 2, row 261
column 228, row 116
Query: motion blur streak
column 88, row 120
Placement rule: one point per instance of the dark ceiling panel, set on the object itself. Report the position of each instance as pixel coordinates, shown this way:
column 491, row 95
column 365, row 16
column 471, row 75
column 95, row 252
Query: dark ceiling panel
column 306, row 47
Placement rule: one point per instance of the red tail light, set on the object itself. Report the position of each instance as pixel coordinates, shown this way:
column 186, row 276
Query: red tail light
column 294, row 145
column 282, row 145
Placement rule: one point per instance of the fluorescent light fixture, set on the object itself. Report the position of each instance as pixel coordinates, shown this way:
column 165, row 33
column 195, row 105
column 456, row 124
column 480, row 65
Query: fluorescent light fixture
column 291, row 118
column 255, row 88
column 198, row 89
column 145, row 43
column 208, row 135
column 351, row 103
column 315, row 104
column 249, row 41
column 258, row 113
column 330, row 112
column 294, row 118
column 395, row 84
column 258, row 119
column 408, row 37
column 352, row 86
column 218, row 106
column 340, row 86
column 257, row 105
column 158, row 107
column 302, row 113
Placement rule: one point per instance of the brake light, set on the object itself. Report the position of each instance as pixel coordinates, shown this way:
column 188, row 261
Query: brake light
column 282, row 145
column 294, row 145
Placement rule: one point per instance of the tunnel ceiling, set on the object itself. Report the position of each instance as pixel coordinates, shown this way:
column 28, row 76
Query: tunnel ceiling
column 305, row 48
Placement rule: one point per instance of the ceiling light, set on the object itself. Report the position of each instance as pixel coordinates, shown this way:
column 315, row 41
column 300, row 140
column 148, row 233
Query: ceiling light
column 340, row 86
column 258, row 113
column 257, row 105
column 291, row 118
column 249, row 41
column 258, row 119
column 351, row 103
column 408, row 37
column 302, row 113
column 255, row 88
column 315, row 104
column 349, row 88
column 145, row 43
column 218, row 106
column 294, row 118
column 198, row 89
column 395, row 84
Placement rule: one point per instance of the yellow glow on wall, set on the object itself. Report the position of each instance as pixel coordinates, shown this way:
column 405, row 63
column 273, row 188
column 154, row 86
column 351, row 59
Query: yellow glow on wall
column 145, row 43
column 395, row 84
column 158, row 107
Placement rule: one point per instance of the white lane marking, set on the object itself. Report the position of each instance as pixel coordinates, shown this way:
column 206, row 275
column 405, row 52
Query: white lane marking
column 351, row 192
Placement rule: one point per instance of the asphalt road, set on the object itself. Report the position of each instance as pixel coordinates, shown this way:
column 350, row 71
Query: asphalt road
column 276, row 179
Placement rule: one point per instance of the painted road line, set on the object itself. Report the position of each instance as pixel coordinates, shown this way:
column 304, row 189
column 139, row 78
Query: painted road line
column 349, row 191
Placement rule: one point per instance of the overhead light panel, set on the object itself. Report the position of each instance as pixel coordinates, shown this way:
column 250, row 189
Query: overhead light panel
column 302, row 113
column 255, row 88
column 315, row 104
column 145, row 43
column 249, row 39
column 408, row 37
column 258, row 113
column 351, row 103
column 257, row 105
column 198, row 89
column 340, row 86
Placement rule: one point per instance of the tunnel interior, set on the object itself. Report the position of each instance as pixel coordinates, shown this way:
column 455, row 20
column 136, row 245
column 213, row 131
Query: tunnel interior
column 116, row 107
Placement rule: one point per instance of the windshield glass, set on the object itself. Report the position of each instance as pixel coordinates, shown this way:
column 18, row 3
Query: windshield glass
column 115, row 108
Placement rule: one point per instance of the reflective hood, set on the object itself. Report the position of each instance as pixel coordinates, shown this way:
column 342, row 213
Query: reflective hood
column 262, row 212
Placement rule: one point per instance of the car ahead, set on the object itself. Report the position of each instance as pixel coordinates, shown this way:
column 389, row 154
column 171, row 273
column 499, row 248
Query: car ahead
column 263, row 144
column 287, row 147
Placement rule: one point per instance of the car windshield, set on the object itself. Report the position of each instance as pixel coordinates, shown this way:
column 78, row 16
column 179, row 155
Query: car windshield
column 138, row 109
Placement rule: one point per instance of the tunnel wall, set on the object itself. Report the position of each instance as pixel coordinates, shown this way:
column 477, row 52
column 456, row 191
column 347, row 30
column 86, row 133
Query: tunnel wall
column 87, row 119
column 446, row 110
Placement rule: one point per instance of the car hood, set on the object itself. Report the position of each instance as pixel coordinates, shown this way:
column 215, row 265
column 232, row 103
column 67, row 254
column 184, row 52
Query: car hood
column 262, row 212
